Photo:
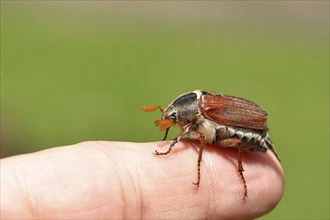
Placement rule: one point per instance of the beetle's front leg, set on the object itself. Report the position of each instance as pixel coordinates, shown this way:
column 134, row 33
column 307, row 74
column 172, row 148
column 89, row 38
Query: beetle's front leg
column 184, row 131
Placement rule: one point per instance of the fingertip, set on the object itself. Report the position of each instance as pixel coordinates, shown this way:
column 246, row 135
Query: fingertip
column 265, row 183
column 221, row 189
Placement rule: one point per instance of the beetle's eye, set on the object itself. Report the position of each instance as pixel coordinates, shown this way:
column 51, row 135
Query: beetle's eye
column 173, row 116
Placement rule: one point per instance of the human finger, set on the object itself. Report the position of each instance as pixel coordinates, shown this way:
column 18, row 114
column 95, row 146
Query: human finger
column 124, row 180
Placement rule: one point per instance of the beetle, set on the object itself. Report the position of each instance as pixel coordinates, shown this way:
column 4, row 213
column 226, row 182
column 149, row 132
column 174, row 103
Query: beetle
column 219, row 119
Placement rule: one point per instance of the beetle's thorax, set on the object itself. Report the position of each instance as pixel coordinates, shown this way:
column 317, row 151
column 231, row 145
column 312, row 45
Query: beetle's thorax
column 183, row 109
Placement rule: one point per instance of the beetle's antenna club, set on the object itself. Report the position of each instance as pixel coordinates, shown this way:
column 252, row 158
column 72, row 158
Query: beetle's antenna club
column 164, row 124
column 151, row 108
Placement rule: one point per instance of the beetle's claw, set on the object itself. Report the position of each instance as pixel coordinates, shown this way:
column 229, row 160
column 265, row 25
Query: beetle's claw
column 196, row 184
column 245, row 196
column 155, row 153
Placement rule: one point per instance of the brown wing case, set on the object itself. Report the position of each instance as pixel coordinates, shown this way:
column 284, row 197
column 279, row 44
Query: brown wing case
column 235, row 111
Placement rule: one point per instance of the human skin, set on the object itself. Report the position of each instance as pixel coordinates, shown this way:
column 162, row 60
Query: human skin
column 123, row 180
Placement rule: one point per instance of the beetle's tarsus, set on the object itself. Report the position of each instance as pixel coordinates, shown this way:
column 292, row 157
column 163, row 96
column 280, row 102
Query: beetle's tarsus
column 175, row 141
column 163, row 153
column 240, row 170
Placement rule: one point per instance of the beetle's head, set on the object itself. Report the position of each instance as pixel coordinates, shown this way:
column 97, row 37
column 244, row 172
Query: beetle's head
column 181, row 111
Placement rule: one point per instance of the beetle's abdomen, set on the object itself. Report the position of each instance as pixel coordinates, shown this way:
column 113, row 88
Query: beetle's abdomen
column 214, row 133
column 254, row 140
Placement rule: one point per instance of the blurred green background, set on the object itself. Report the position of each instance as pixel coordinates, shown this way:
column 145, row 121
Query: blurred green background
column 79, row 70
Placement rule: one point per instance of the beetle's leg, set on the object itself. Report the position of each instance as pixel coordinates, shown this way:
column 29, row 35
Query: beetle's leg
column 184, row 131
column 230, row 142
column 236, row 143
column 166, row 133
column 200, row 153
column 241, row 169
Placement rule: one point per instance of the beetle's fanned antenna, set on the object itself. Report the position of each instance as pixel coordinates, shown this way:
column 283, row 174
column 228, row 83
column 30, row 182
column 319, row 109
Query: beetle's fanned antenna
column 164, row 124
column 166, row 133
column 151, row 108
